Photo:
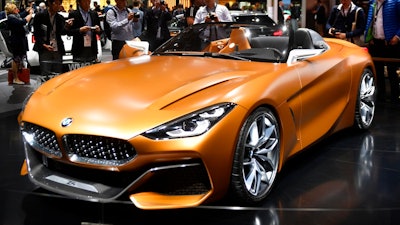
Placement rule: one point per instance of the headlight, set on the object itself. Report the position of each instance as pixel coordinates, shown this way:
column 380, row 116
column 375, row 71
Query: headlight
column 193, row 124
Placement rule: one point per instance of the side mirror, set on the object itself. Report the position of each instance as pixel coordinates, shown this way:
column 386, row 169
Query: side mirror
column 302, row 54
column 134, row 48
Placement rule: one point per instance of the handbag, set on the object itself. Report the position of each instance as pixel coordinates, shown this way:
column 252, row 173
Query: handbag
column 358, row 40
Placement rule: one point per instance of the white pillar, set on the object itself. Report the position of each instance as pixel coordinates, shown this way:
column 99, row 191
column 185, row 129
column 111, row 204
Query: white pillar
column 274, row 8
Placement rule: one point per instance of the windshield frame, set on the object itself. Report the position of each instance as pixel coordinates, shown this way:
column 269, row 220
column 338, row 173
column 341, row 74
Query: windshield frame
column 182, row 43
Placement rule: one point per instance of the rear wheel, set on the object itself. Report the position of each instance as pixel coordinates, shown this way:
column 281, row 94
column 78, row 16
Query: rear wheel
column 256, row 157
column 365, row 105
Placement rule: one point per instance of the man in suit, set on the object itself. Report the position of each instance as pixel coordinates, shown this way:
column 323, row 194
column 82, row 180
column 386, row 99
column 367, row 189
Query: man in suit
column 48, row 28
column 85, row 27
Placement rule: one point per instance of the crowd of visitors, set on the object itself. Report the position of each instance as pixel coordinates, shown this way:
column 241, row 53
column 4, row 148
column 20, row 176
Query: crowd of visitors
column 377, row 27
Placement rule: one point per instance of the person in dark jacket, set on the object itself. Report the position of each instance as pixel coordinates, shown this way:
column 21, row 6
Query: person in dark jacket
column 295, row 13
column 281, row 16
column 156, row 20
column 383, row 37
column 48, row 27
column 341, row 18
column 190, row 13
column 19, row 43
column 85, row 27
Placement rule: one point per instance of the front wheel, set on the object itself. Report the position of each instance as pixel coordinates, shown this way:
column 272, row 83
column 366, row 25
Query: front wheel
column 365, row 105
column 256, row 157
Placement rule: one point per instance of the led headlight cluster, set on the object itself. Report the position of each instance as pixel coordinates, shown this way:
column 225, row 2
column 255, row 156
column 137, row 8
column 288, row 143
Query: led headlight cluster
column 190, row 125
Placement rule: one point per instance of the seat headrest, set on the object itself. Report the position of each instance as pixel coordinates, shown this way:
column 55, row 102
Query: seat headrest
column 302, row 39
column 308, row 39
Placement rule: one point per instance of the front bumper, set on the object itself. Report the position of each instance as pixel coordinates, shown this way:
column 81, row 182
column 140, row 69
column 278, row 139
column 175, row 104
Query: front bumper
column 160, row 186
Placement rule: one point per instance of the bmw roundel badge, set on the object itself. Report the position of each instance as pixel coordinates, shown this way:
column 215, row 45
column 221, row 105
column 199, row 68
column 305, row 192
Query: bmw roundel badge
column 66, row 122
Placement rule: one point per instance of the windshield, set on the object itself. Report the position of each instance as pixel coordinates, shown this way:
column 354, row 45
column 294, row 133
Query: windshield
column 267, row 43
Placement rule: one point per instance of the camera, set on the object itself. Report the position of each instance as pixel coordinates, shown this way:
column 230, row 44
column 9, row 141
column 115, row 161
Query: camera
column 162, row 2
column 136, row 15
column 211, row 16
column 335, row 31
column 93, row 28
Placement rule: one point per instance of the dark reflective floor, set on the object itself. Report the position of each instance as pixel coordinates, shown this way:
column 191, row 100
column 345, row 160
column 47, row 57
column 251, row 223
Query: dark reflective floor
column 350, row 178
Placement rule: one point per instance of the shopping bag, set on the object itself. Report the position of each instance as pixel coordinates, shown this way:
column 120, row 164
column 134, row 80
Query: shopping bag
column 23, row 75
column 359, row 40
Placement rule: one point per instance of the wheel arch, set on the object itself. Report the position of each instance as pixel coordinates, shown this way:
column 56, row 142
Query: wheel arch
column 240, row 154
column 288, row 136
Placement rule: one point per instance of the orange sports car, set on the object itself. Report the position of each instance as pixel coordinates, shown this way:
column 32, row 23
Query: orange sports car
column 215, row 111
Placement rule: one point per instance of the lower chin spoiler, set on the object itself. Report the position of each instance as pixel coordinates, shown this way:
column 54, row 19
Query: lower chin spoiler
column 152, row 200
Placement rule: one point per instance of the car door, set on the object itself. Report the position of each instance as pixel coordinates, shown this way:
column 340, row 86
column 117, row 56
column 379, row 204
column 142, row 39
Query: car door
column 325, row 83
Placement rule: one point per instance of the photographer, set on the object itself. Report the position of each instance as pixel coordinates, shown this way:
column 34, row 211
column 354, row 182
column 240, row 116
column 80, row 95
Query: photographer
column 137, row 26
column 156, row 20
column 212, row 12
column 341, row 20
column 120, row 19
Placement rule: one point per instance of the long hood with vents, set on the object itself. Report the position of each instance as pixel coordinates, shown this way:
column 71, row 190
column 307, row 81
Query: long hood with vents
column 117, row 94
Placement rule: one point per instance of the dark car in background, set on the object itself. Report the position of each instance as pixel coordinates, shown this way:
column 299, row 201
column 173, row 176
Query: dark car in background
column 252, row 18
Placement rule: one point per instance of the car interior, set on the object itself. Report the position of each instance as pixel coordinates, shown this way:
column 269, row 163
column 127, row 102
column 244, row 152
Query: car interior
column 273, row 48
column 253, row 43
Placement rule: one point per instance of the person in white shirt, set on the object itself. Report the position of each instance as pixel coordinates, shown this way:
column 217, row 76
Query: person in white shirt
column 120, row 18
column 212, row 12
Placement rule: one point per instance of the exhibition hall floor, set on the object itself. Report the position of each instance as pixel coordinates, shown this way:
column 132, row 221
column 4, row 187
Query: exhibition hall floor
column 350, row 178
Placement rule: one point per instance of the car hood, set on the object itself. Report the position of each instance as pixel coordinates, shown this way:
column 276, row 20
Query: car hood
column 109, row 98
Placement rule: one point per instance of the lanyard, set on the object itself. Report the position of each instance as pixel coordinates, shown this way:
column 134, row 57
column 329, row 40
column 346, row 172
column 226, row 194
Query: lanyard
column 87, row 19
column 345, row 12
column 85, row 16
column 53, row 25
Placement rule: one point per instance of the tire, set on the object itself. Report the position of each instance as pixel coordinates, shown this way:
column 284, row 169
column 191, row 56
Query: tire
column 366, row 97
column 256, row 157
